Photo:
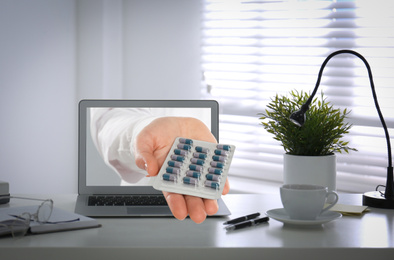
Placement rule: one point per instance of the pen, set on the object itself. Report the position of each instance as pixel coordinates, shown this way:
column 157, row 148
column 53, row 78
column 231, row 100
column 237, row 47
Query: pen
column 244, row 218
column 248, row 223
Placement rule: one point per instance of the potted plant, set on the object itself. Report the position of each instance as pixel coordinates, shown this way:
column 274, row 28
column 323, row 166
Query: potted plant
column 309, row 150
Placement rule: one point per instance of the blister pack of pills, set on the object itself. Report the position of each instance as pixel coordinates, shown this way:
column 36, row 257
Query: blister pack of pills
column 196, row 168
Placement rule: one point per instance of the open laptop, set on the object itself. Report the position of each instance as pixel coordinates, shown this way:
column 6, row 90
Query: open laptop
column 102, row 192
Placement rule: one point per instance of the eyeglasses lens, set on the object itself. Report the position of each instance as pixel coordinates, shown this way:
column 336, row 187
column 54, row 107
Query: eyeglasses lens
column 45, row 211
column 19, row 227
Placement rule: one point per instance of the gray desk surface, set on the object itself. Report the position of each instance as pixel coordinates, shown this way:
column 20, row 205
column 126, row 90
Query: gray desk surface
column 362, row 237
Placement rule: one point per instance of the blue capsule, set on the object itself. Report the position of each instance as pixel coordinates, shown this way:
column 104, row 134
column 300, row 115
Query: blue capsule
column 217, row 164
column 195, row 167
column 197, row 161
column 202, row 149
column 212, row 177
column 169, row 177
column 189, row 180
column 199, row 155
column 220, row 152
column 212, row 184
column 224, row 147
column 184, row 147
column 185, row 141
column 177, row 158
column 174, row 164
column 180, row 152
column 215, row 171
column 219, row 158
column 172, row 170
column 193, row 174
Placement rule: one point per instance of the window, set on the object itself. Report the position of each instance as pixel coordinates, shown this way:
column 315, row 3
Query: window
column 252, row 50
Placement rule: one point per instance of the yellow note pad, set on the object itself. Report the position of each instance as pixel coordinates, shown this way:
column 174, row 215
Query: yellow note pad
column 350, row 210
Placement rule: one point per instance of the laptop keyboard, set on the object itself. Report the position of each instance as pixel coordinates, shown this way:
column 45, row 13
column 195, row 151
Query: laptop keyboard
column 127, row 200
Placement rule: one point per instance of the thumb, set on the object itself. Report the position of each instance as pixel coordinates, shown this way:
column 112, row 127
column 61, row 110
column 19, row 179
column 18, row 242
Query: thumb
column 148, row 162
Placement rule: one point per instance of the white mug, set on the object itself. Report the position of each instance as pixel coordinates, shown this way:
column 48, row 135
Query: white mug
column 305, row 201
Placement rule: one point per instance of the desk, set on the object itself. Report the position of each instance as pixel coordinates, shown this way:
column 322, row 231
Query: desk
column 365, row 237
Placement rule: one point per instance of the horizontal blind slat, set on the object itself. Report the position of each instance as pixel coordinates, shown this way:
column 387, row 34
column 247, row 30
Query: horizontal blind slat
column 253, row 50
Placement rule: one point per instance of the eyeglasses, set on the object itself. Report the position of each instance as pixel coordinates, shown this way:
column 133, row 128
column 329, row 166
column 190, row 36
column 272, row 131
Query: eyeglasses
column 21, row 223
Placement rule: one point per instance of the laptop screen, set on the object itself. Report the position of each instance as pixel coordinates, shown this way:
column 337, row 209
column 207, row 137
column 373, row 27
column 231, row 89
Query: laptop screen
column 107, row 126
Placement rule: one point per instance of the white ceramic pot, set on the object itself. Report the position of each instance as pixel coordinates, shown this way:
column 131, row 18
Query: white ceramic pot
column 317, row 170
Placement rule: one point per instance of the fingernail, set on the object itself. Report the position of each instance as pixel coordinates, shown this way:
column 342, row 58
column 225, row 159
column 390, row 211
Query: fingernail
column 182, row 218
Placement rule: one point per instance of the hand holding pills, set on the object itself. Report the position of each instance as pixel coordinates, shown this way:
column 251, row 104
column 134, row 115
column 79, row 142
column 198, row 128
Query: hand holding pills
column 151, row 147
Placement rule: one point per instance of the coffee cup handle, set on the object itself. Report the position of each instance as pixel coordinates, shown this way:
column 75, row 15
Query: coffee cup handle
column 332, row 204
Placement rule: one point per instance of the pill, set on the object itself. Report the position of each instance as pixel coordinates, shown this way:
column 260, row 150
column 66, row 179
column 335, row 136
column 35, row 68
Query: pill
column 180, row 152
column 169, row 177
column 224, row 147
column 195, row 167
column 218, row 158
column 213, row 177
column 185, row 141
column 184, row 146
column 197, row 161
column 189, row 180
column 172, row 170
column 174, row 164
column 202, row 149
column 217, row 164
column 177, row 158
column 215, row 171
column 193, row 174
column 212, row 184
column 220, row 152
column 199, row 155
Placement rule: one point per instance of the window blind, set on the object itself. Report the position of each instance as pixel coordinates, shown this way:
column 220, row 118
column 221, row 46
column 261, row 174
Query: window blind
column 252, row 50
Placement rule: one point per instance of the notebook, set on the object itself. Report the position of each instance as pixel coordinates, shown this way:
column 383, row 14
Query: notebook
column 107, row 188
column 60, row 220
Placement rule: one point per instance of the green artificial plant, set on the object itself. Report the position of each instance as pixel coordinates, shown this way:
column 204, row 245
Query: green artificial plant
column 320, row 135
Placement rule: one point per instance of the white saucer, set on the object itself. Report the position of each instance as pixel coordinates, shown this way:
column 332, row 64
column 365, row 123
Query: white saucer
column 281, row 215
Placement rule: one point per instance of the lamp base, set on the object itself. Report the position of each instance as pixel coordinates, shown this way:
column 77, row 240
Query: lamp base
column 376, row 200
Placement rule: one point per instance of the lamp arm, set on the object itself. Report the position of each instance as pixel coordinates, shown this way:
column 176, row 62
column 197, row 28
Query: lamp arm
column 372, row 87
column 389, row 185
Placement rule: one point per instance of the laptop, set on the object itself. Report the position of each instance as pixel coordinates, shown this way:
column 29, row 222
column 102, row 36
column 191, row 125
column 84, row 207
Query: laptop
column 104, row 188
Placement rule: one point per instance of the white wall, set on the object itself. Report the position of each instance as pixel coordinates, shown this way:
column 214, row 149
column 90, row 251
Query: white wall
column 55, row 52
column 37, row 96
column 161, row 49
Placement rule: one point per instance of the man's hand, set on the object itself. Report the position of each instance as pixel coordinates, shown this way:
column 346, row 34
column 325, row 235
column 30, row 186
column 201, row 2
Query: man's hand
column 151, row 147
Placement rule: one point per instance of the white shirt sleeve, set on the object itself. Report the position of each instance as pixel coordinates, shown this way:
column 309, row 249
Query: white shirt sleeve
column 113, row 131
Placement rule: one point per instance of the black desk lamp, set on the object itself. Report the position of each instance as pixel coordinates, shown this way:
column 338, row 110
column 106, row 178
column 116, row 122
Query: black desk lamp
column 377, row 199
